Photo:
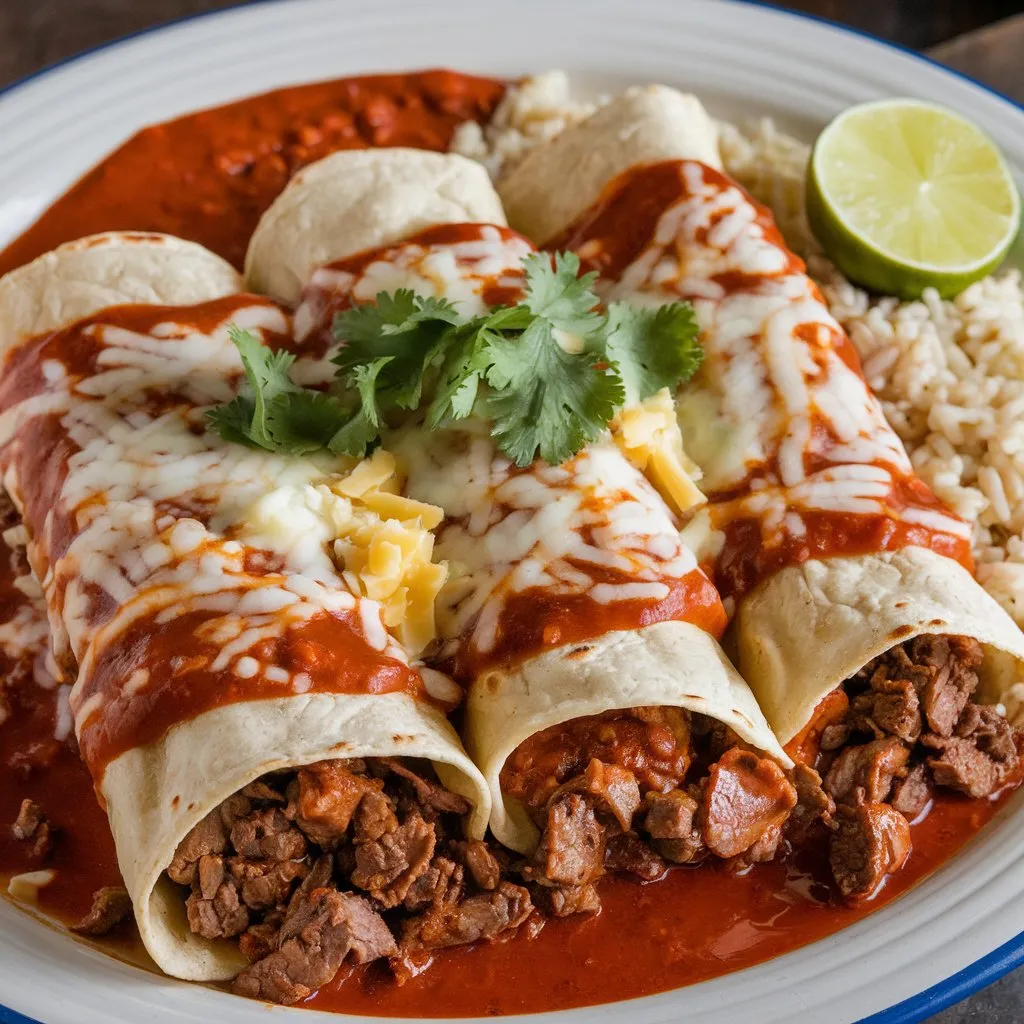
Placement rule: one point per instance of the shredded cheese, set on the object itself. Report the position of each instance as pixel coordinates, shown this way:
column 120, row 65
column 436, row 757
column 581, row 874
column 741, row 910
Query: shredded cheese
column 379, row 540
column 648, row 434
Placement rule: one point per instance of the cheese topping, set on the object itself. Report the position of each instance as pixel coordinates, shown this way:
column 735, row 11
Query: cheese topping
column 592, row 528
column 159, row 522
column 778, row 411
column 649, row 435
column 359, row 525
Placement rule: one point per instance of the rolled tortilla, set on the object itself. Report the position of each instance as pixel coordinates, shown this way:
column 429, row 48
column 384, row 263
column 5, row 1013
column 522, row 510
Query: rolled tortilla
column 829, row 547
column 201, row 663
column 557, row 182
column 542, row 625
column 361, row 199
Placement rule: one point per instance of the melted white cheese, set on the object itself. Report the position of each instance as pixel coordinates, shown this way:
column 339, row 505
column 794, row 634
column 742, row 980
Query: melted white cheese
column 773, row 389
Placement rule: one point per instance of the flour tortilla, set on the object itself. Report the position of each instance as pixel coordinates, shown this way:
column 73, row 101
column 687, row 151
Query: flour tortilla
column 672, row 664
column 362, row 199
column 82, row 277
column 809, row 627
column 155, row 794
column 559, row 180
column 669, row 664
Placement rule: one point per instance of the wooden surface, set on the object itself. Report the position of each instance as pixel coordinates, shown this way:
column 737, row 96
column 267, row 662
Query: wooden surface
column 994, row 55
column 34, row 33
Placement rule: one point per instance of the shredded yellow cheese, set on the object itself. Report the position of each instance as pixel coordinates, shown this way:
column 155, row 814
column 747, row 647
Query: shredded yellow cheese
column 649, row 436
column 381, row 542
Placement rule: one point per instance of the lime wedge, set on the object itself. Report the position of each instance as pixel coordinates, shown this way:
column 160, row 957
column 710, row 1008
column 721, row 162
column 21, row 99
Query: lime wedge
column 904, row 195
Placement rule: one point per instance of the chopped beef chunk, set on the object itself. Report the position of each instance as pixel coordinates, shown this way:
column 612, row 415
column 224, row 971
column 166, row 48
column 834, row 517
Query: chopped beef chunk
column 872, row 841
column 428, row 793
column 32, row 827
column 980, row 757
column 627, row 852
column 319, row 877
column 670, row 819
column 571, row 849
column 961, row 765
column 328, row 795
column 953, row 662
column 870, row 768
column 217, row 913
column 611, row 790
column 813, row 804
column 266, row 883
column 375, row 817
column 912, row 794
column 211, row 874
column 268, row 833
column 317, row 936
column 483, row 866
column 260, row 940
column 110, row 906
column 764, row 848
column 890, row 706
column 991, row 731
column 262, row 792
column 454, row 921
column 387, row 867
column 566, row 900
column 210, row 836
column 423, row 891
column 836, row 735
column 746, row 795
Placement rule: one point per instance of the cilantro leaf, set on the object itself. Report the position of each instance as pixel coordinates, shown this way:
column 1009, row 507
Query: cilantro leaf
column 460, row 376
column 550, row 372
column 652, row 348
column 353, row 437
column 232, row 420
column 391, row 314
column 245, row 419
column 267, row 373
column 405, row 328
column 559, row 294
column 299, row 421
column 547, row 400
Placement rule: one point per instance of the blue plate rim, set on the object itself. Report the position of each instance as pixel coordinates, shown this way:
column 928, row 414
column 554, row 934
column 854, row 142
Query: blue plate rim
column 940, row 996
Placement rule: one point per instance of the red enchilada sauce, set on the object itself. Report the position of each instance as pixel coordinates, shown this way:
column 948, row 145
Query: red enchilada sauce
column 537, row 618
column 207, row 177
column 175, row 653
column 613, row 235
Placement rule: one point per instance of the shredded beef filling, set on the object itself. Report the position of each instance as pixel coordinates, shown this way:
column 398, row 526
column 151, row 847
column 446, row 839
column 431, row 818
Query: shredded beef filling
column 638, row 790
column 349, row 861
column 904, row 725
column 339, row 862
column 32, row 828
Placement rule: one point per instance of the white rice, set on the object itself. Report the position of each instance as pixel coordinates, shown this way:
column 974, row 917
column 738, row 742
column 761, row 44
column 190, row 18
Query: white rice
column 950, row 374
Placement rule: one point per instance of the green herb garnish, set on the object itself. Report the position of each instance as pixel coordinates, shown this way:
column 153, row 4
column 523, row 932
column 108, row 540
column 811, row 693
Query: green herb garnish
column 549, row 373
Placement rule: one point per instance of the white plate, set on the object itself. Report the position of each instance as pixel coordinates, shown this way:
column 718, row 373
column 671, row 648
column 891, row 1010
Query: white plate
column 744, row 60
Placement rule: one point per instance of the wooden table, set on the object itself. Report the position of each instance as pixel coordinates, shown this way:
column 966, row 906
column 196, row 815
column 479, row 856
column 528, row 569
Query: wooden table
column 34, row 33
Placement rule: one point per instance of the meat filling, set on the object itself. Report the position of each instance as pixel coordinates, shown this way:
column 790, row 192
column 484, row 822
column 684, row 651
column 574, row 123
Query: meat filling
column 638, row 790
column 904, row 725
column 340, row 862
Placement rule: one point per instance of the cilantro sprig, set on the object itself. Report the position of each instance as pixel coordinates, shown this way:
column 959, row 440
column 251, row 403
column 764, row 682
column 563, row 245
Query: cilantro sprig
column 549, row 373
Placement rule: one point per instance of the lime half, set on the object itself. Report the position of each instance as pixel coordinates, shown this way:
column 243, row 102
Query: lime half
column 905, row 195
